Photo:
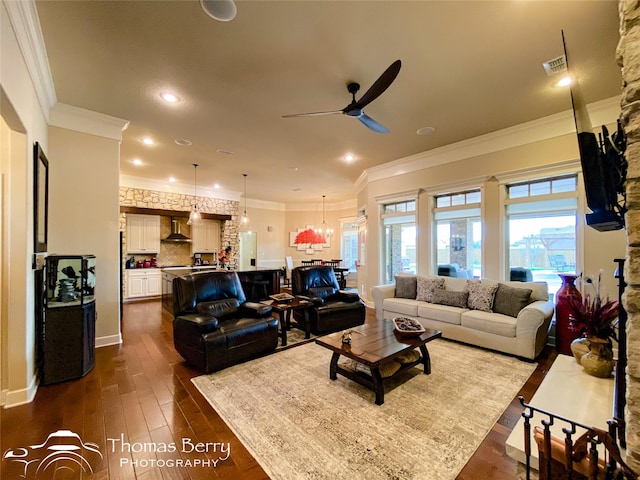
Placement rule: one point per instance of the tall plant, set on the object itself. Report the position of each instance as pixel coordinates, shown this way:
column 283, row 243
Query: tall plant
column 592, row 316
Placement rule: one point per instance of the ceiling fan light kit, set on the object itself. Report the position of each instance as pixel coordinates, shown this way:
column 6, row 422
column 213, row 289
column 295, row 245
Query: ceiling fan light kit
column 221, row 10
column 356, row 107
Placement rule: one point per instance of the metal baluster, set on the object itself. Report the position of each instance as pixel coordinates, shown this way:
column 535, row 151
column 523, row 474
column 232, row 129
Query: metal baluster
column 568, row 450
column 547, row 445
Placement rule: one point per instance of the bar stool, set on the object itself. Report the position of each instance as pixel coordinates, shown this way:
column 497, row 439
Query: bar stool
column 258, row 289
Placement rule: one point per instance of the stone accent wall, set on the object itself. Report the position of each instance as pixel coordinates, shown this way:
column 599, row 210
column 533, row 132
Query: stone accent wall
column 629, row 60
column 137, row 197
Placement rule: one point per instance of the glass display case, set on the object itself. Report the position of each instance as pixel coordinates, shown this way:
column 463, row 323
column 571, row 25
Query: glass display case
column 67, row 330
column 70, row 280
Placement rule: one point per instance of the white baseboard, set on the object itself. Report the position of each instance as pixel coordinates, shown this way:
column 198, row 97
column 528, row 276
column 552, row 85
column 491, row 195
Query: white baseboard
column 108, row 340
column 20, row 397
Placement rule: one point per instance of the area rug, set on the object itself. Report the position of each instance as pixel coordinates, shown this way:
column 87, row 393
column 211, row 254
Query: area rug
column 294, row 336
column 299, row 424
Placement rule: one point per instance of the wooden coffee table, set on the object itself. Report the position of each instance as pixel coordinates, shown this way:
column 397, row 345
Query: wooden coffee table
column 372, row 345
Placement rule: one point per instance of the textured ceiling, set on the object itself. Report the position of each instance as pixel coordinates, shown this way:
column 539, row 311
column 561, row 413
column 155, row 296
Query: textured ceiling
column 468, row 68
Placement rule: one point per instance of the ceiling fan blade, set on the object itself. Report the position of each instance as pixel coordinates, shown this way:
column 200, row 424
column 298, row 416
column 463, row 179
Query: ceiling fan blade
column 311, row 114
column 380, row 85
column 372, row 124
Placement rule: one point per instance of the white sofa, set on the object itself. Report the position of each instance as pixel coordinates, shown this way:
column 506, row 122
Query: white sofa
column 524, row 336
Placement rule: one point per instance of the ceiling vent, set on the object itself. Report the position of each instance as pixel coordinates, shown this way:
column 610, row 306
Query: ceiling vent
column 555, row 65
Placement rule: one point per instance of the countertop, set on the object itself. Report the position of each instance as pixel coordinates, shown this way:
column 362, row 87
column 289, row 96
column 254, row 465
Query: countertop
column 179, row 271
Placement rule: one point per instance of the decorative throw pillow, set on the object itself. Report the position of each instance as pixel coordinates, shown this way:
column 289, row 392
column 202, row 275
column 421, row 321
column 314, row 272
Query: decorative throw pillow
column 426, row 286
column 451, row 298
column 405, row 286
column 481, row 295
column 510, row 300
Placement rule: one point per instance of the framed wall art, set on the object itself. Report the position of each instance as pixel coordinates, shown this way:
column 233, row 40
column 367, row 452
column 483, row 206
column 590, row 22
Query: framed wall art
column 40, row 199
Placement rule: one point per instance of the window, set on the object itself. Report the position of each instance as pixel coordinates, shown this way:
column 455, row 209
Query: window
column 399, row 239
column 349, row 245
column 541, row 227
column 458, row 232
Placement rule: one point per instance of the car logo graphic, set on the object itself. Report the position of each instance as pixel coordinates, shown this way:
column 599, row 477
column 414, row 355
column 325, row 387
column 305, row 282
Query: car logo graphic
column 62, row 450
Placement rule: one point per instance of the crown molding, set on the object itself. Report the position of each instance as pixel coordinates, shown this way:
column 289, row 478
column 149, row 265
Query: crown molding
column 23, row 17
column 602, row 112
column 317, row 206
column 87, row 121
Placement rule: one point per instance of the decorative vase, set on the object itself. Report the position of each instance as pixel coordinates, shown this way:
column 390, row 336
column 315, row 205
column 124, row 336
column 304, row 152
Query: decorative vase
column 564, row 335
column 599, row 361
column 580, row 347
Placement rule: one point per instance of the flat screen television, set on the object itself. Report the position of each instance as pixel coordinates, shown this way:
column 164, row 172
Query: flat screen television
column 604, row 168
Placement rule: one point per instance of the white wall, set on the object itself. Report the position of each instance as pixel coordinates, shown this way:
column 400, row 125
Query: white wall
column 25, row 118
column 84, row 214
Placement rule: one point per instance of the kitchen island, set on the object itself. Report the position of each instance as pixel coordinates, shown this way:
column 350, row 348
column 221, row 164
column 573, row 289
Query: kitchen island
column 267, row 279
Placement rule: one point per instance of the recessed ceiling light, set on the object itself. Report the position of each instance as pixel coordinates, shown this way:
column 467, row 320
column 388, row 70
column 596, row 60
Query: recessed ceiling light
column 169, row 97
column 426, row 131
column 216, row 185
column 564, row 82
column 222, row 151
column 172, row 179
column 349, row 158
column 147, row 141
column 137, row 161
column 182, row 142
column 293, row 169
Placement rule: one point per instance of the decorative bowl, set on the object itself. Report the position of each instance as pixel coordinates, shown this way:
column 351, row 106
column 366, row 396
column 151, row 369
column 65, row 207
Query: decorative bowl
column 408, row 326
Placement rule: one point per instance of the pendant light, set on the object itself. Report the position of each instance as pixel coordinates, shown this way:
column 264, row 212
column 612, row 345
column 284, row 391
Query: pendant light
column 194, row 216
column 244, row 221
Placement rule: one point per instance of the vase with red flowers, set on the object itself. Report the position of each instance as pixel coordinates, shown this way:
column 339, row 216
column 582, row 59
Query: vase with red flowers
column 595, row 320
column 224, row 257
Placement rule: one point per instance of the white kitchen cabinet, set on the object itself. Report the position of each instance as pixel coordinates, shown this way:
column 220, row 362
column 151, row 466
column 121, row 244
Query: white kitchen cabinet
column 143, row 233
column 144, row 283
column 205, row 237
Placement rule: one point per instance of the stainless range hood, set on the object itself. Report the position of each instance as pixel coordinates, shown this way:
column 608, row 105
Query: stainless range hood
column 175, row 235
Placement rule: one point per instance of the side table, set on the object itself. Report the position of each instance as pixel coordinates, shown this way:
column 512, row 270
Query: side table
column 284, row 310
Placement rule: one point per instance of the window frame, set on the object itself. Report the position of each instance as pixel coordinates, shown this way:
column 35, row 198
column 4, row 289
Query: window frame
column 383, row 202
column 577, row 194
column 467, row 205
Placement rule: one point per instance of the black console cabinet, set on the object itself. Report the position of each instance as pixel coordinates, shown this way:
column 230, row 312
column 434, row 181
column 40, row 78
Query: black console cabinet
column 67, row 335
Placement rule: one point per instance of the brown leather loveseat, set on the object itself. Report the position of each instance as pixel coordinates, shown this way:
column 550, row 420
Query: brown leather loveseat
column 214, row 326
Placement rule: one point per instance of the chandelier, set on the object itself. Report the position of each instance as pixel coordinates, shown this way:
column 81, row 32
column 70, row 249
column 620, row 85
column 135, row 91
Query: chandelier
column 324, row 230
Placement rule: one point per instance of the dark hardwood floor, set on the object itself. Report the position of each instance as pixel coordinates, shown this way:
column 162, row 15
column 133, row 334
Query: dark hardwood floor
column 140, row 393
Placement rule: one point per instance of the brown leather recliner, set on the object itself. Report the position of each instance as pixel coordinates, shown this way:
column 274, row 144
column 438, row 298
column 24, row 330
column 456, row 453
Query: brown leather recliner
column 214, row 326
column 333, row 309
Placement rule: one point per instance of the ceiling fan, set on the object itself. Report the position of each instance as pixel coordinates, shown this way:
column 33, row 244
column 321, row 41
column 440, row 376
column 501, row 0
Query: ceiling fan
column 356, row 108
